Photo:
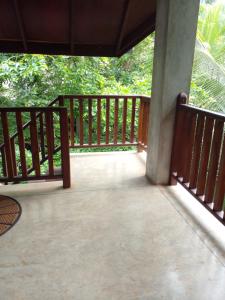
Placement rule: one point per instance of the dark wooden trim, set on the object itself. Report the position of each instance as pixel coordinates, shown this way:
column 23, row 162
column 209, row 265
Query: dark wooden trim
column 71, row 24
column 122, row 25
column 104, row 145
column 31, row 178
column 137, row 35
column 57, row 48
column 21, row 24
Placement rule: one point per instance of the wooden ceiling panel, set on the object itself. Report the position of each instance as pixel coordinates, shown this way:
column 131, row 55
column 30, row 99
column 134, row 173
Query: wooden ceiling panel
column 74, row 27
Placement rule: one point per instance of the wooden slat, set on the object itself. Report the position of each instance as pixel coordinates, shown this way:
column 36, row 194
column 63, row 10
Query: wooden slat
column 71, row 122
column 220, row 184
column 124, row 120
column 140, row 123
column 181, row 142
column 6, row 138
column 89, row 121
column 99, row 121
column 4, row 170
column 213, row 163
column 175, row 160
column 115, row 131
column 34, row 143
column 207, row 138
column 65, row 156
column 132, row 120
column 14, row 164
column 190, row 134
column 197, row 151
column 42, row 135
column 61, row 100
column 107, row 121
column 81, row 133
column 50, row 141
column 19, row 124
column 145, row 122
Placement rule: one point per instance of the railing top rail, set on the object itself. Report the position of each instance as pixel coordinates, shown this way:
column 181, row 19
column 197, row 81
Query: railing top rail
column 31, row 109
column 202, row 111
column 105, row 96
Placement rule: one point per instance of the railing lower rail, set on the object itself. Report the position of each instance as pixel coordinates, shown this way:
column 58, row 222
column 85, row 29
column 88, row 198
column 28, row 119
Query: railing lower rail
column 198, row 160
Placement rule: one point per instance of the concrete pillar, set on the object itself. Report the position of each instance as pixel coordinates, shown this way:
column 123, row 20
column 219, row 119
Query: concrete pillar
column 176, row 24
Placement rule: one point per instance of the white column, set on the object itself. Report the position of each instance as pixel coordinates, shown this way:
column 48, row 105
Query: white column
column 176, row 24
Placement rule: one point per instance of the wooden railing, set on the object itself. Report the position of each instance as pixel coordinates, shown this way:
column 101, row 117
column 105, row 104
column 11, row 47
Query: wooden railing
column 36, row 141
column 198, row 160
column 71, row 121
column 94, row 120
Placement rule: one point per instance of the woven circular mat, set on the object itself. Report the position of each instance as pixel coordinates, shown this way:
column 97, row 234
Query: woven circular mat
column 10, row 211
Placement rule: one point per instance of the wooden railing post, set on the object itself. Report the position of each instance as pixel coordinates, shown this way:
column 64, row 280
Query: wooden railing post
column 175, row 155
column 65, row 155
column 143, row 123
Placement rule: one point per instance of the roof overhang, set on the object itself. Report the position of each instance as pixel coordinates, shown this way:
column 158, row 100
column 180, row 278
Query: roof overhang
column 75, row 27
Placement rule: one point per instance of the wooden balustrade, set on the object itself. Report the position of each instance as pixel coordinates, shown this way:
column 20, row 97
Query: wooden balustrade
column 198, row 158
column 83, row 121
column 36, row 143
column 94, row 120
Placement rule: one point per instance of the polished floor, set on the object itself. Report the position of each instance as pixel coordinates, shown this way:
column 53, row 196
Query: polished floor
column 112, row 236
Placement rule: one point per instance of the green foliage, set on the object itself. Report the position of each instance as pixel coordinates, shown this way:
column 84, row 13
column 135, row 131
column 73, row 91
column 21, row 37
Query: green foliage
column 208, row 78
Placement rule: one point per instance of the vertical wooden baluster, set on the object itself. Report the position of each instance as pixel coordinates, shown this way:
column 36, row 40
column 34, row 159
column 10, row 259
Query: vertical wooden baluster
column 144, row 123
column 213, row 163
column 19, row 124
column 188, row 152
column 12, row 141
column 42, row 136
column 61, row 100
column 115, row 133
column 145, row 129
column 176, row 157
column 71, row 122
column 175, row 161
column 4, row 170
column 182, row 141
column 107, row 121
column 90, row 121
column 99, row 121
column 34, row 144
column 8, row 150
column 220, row 186
column 205, row 156
column 140, row 125
column 124, row 121
column 50, row 141
column 197, row 151
column 65, row 156
column 81, row 133
column 132, row 120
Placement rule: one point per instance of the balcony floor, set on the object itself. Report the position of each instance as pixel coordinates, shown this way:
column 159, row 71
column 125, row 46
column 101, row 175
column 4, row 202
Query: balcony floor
column 111, row 236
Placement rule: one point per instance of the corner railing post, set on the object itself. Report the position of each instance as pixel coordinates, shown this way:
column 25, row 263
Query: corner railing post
column 181, row 99
column 65, row 155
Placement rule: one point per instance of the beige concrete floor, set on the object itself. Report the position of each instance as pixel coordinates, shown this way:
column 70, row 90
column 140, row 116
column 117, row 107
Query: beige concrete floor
column 112, row 236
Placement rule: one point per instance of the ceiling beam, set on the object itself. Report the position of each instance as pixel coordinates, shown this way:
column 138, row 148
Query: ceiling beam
column 71, row 30
column 57, row 49
column 122, row 25
column 21, row 25
column 136, row 36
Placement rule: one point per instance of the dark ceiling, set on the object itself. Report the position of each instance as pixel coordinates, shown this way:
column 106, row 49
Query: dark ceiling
column 75, row 27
